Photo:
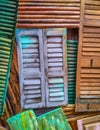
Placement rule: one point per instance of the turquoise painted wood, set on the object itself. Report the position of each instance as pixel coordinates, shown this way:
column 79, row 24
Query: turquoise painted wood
column 72, row 46
column 53, row 120
column 8, row 16
column 23, row 121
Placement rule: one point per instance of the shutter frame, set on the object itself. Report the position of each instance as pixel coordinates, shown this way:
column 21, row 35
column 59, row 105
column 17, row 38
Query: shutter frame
column 8, row 16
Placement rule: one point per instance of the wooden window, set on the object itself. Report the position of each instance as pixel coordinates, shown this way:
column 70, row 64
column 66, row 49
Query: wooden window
column 42, row 67
column 88, row 67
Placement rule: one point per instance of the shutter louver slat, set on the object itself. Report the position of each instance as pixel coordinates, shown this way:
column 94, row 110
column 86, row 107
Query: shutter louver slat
column 55, row 67
column 88, row 71
column 31, row 68
column 71, row 62
column 48, row 13
column 8, row 14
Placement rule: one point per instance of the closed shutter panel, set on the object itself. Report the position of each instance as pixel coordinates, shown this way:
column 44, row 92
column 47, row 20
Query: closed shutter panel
column 48, row 13
column 88, row 71
column 8, row 13
column 71, row 61
column 31, row 68
column 55, row 66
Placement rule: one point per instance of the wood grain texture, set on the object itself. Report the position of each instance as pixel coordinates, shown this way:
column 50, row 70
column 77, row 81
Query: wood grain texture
column 88, row 58
column 48, row 13
column 89, row 123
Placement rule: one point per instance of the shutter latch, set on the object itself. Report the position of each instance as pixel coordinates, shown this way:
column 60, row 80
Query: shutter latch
column 88, row 106
column 91, row 63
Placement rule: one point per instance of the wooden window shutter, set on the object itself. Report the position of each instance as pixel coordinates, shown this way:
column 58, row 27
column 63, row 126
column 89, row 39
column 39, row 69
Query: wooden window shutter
column 8, row 14
column 71, row 62
column 88, row 67
column 48, row 13
column 31, row 68
column 55, row 66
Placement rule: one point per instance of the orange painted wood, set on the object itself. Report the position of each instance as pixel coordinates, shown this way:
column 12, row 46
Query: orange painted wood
column 88, row 66
column 48, row 13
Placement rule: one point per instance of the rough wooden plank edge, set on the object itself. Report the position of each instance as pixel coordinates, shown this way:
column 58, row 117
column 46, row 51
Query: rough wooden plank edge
column 82, row 106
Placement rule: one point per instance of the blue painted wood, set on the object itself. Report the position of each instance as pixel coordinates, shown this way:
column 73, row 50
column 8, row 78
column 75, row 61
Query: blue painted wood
column 42, row 67
column 31, row 68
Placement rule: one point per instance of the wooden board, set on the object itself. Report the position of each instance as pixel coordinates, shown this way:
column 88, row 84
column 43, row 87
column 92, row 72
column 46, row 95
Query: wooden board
column 53, row 120
column 88, row 66
column 8, row 14
column 43, row 74
column 92, row 126
column 24, row 120
column 89, row 122
column 48, row 13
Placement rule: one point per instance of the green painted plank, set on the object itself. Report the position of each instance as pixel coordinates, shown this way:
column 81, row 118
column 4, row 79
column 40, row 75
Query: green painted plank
column 53, row 120
column 23, row 121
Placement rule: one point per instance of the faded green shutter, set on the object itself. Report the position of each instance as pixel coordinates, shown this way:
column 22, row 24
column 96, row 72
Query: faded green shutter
column 23, row 121
column 53, row 120
column 71, row 62
column 8, row 13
